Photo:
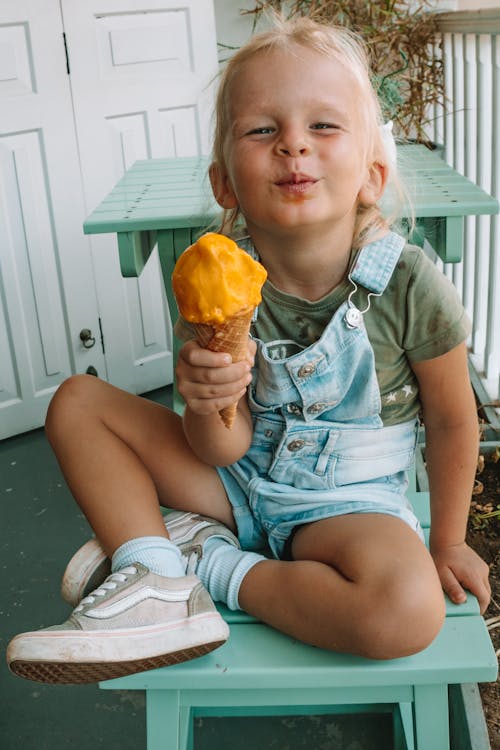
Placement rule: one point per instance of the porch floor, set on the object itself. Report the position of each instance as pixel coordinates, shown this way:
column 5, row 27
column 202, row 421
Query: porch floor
column 41, row 526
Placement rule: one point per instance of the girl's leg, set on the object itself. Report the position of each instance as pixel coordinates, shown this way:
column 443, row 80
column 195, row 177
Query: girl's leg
column 362, row 584
column 122, row 455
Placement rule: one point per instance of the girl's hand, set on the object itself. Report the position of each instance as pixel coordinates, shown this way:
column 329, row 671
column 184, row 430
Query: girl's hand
column 209, row 381
column 459, row 568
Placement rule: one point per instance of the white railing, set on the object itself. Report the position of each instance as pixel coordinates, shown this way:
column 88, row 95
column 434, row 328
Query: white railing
column 469, row 128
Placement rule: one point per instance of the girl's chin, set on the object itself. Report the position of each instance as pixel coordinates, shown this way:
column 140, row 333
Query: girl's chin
column 297, row 217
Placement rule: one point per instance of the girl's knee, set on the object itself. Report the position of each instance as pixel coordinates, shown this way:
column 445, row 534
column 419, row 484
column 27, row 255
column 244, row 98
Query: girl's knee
column 404, row 624
column 74, row 392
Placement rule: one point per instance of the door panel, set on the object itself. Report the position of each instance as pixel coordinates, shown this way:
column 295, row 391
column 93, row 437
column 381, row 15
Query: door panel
column 32, row 271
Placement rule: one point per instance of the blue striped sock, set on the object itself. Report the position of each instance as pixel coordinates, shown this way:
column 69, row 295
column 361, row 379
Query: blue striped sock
column 222, row 569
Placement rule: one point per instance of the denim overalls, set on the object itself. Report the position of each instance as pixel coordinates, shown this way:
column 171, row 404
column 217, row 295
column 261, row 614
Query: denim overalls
column 319, row 447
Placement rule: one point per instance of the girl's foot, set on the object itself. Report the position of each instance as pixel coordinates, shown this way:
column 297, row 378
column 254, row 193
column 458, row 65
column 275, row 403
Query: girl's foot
column 135, row 621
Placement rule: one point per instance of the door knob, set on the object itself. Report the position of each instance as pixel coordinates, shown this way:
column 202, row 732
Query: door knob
column 86, row 338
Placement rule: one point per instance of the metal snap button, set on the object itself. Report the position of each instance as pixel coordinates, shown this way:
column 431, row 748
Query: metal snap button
column 353, row 318
column 296, row 445
column 306, row 370
column 315, row 408
column 268, row 433
column 293, row 409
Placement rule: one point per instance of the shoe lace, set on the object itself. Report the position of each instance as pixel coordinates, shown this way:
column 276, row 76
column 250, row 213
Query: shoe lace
column 111, row 583
column 192, row 556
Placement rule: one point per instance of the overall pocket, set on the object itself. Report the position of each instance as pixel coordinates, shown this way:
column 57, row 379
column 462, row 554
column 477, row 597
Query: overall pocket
column 303, row 459
column 366, row 455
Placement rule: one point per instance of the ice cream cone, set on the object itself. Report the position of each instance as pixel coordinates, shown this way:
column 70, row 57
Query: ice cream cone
column 230, row 337
column 217, row 286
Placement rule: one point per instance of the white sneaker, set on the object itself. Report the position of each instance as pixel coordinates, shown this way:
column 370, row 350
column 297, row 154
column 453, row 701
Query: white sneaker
column 135, row 621
column 89, row 566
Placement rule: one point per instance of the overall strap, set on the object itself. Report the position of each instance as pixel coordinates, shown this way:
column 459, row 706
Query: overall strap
column 375, row 263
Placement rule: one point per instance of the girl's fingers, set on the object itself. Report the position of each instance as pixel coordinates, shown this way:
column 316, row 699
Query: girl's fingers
column 452, row 587
column 477, row 585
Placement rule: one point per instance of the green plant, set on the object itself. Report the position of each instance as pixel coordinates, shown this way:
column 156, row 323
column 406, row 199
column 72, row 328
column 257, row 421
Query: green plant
column 404, row 47
column 484, row 514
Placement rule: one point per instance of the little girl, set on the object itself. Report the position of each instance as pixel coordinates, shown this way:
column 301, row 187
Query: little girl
column 356, row 334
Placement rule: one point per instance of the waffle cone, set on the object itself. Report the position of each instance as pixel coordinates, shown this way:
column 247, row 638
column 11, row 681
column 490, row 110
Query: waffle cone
column 230, row 337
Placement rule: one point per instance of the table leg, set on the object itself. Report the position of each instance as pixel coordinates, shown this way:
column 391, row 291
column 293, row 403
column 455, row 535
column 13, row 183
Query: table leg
column 446, row 236
column 134, row 249
column 171, row 243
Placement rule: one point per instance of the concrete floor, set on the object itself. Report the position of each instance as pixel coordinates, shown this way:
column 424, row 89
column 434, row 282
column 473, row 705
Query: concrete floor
column 40, row 528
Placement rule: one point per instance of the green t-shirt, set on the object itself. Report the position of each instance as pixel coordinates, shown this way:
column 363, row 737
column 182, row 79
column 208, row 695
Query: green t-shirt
column 418, row 317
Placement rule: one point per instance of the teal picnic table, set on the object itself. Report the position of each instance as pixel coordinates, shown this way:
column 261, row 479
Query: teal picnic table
column 169, row 202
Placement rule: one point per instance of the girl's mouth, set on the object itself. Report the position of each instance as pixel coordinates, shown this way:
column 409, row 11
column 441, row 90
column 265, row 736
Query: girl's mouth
column 296, row 183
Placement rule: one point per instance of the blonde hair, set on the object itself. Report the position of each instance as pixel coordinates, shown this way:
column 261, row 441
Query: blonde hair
column 340, row 45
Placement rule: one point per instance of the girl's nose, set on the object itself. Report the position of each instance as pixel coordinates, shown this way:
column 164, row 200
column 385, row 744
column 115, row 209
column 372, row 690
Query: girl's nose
column 293, row 144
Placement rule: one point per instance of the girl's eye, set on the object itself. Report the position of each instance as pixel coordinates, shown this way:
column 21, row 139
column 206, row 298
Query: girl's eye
column 324, row 126
column 261, row 131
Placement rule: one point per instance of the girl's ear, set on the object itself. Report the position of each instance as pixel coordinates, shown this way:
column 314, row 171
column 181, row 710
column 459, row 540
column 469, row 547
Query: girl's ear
column 221, row 187
column 373, row 187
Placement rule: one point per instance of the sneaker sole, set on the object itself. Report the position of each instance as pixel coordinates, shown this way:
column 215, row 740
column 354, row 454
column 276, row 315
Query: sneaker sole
column 64, row 673
column 71, row 664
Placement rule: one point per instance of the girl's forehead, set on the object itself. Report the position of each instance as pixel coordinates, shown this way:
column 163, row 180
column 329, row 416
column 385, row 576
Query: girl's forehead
column 275, row 66
column 271, row 74
column 294, row 56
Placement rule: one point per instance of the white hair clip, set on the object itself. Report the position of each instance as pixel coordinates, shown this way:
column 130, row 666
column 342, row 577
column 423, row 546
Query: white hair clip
column 389, row 142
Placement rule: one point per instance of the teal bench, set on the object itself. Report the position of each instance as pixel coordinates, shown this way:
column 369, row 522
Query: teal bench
column 259, row 671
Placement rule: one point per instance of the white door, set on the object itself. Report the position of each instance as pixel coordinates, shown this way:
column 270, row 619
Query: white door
column 142, row 78
column 139, row 86
column 47, row 291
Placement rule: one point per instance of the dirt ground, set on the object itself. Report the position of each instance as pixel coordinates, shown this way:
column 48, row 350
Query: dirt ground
column 484, row 537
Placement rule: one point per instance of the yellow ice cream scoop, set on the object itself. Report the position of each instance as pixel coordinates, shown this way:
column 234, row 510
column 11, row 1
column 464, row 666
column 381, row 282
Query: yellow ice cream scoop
column 215, row 280
column 217, row 286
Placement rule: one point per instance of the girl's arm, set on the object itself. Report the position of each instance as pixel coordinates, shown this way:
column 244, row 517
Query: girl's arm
column 451, row 429
column 208, row 382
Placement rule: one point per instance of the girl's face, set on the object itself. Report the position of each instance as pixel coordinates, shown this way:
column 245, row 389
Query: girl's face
column 296, row 154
